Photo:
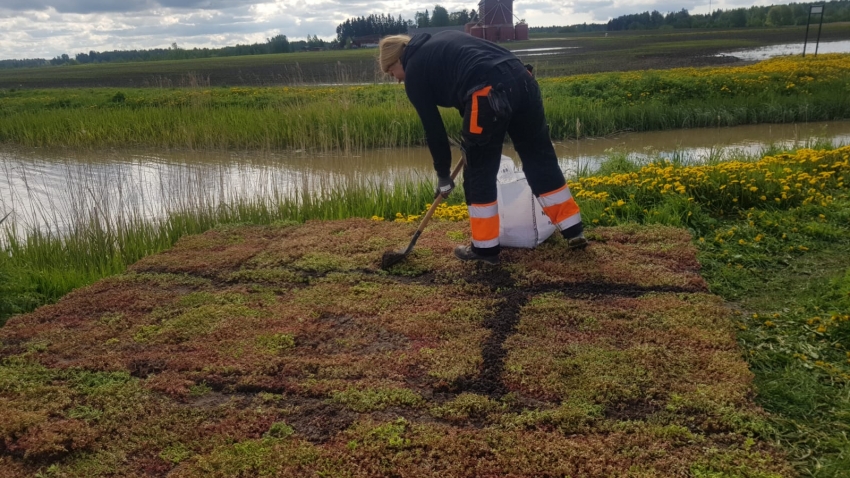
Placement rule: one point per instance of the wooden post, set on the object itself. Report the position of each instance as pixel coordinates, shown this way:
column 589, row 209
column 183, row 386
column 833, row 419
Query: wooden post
column 813, row 10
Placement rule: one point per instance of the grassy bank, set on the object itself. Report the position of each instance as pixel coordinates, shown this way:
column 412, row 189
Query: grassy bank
column 781, row 90
column 355, row 117
column 773, row 236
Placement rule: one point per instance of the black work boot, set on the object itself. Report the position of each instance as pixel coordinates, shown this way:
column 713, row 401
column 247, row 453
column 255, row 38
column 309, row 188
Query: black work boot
column 575, row 237
column 578, row 242
column 465, row 253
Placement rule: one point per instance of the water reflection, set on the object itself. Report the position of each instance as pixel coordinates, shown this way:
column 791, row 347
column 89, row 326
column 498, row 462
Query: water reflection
column 55, row 189
column 763, row 53
column 698, row 145
column 52, row 189
column 551, row 48
column 542, row 51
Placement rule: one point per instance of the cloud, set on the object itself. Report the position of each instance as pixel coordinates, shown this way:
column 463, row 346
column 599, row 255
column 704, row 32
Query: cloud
column 107, row 6
column 76, row 6
column 48, row 28
column 604, row 10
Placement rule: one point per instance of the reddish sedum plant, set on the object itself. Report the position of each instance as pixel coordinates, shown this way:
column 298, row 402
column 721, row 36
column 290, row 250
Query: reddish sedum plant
column 287, row 351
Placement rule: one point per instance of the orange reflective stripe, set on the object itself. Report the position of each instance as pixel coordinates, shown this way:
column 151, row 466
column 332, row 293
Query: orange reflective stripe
column 473, row 119
column 559, row 212
column 484, row 222
column 484, row 229
column 559, row 205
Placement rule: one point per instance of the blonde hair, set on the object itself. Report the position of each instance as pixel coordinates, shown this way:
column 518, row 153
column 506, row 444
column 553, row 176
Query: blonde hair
column 390, row 50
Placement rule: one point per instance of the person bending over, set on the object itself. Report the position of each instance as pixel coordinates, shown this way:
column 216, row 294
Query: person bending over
column 495, row 94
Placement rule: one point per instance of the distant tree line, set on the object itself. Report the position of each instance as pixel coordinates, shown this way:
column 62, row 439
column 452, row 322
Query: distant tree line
column 24, row 63
column 764, row 16
column 381, row 25
column 372, row 25
column 275, row 44
column 442, row 18
column 756, row 16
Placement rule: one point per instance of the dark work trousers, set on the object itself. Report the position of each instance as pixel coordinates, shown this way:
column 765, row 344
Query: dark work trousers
column 509, row 101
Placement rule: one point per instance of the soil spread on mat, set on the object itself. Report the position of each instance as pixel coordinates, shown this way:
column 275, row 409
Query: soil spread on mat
column 288, row 351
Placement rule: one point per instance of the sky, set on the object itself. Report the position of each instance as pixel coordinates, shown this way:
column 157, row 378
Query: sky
column 49, row 28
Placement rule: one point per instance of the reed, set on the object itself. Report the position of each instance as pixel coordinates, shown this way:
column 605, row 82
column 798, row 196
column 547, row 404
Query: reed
column 355, row 117
column 315, row 127
column 40, row 266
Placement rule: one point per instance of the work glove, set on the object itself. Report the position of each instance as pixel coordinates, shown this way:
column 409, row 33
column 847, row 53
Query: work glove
column 445, row 185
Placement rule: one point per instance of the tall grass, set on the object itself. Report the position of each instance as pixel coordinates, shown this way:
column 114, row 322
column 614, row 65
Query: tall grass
column 356, row 117
column 603, row 118
column 41, row 266
column 317, row 127
column 16, row 293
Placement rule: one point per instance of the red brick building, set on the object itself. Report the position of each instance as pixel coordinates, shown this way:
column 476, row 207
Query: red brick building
column 496, row 22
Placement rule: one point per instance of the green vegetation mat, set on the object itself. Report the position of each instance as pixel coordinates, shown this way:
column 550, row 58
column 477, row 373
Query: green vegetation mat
column 286, row 351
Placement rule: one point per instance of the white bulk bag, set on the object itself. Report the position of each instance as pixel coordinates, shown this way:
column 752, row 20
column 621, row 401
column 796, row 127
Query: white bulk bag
column 522, row 222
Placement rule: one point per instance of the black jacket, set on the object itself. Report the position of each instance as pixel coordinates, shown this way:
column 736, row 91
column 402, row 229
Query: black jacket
column 443, row 70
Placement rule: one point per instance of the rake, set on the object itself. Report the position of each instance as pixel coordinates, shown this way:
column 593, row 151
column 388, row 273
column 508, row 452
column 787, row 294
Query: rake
column 391, row 258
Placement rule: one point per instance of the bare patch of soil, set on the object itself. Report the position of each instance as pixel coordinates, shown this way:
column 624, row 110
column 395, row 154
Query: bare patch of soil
column 317, row 421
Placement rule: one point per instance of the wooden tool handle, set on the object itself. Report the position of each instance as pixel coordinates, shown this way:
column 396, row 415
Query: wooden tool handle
column 439, row 197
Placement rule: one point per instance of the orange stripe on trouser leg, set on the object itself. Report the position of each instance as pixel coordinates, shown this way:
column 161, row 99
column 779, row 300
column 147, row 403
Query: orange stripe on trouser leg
column 484, row 221
column 560, row 206
column 473, row 119
column 484, row 230
column 559, row 212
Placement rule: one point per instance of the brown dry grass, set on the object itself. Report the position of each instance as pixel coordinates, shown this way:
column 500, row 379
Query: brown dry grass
column 287, row 351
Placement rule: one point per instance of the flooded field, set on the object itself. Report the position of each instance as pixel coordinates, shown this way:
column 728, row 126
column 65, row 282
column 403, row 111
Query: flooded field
column 50, row 189
column 543, row 51
column 811, row 48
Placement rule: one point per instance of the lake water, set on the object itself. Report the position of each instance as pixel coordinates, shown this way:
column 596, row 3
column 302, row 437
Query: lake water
column 49, row 189
column 542, row 51
column 763, row 53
